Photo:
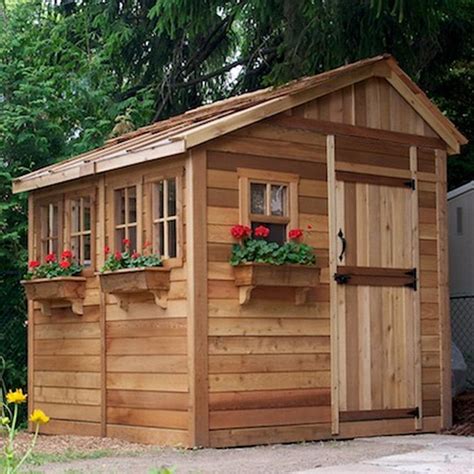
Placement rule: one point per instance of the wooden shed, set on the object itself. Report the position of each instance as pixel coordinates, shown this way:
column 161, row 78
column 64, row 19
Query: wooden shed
column 210, row 358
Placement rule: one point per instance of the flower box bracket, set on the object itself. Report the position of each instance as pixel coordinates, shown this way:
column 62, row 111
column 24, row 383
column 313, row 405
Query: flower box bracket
column 59, row 292
column 125, row 284
column 303, row 278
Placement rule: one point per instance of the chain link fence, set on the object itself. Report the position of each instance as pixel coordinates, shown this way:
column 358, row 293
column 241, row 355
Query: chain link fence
column 13, row 330
column 462, row 327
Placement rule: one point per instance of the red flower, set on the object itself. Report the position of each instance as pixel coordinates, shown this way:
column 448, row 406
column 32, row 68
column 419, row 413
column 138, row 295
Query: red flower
column 67, row 254
column 135, row 255
column 295, row 234
column 106, row 250
column 126, row 242
column 50, row 258
column 240, row 231
column 118, row 256
column 65, row 264
column 262, row 231
column 34, row 264
column 146, row 245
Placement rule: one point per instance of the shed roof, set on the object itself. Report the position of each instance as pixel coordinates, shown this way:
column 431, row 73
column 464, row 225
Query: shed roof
column 180, row 133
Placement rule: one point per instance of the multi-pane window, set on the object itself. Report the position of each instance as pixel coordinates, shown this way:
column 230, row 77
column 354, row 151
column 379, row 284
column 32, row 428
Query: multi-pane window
column 165, row 218
column 50, row 218
column 125, row 224
column 269, row 207
column 81, row 229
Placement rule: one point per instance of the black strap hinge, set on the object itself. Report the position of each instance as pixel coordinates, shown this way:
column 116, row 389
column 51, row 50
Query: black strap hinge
column 411, row 183
column 342, row 278
column 414, row 283
column 415, row 412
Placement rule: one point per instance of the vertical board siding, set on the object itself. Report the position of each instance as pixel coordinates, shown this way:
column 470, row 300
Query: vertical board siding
column 269, row 360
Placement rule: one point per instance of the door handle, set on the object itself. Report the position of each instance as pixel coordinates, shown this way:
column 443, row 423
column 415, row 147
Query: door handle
column 340, row 234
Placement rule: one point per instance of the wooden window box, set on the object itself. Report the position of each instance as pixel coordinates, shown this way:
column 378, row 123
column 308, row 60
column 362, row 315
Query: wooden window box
column 249, row 276
column 126, row 283
column 59, row 292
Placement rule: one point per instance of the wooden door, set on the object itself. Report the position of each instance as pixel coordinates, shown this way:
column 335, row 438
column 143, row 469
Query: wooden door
column 377, row 297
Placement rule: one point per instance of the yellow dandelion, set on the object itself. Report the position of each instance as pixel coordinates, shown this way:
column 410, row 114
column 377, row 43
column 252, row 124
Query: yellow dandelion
column 39, row 417
column 16, row 397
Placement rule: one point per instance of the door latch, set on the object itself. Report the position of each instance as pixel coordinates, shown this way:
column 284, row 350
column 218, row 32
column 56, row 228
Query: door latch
column 411, row 183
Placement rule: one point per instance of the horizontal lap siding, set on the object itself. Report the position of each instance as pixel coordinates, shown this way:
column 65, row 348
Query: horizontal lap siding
column 269, row 378
column 147, row 389
column 67, row 362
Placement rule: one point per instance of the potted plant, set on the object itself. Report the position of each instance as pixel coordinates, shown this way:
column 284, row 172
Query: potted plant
column 126, row 273
column 56, row 283
column 260, row 263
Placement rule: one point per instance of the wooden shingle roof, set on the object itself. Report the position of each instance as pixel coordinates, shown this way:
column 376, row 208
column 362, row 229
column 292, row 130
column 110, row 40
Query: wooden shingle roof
column 180, row 133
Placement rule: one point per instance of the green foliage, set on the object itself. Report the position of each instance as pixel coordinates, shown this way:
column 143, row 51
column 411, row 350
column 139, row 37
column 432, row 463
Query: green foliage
column 54, row 270
column 261, row 251
column 121, row 260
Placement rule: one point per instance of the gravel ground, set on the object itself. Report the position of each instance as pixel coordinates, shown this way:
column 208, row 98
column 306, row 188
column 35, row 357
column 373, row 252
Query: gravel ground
column 135, row 458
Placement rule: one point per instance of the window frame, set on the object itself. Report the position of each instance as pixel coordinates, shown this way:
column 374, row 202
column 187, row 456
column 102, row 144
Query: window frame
column 69, row 234
column 40, row 204
column 151, row 182
column 247, row 176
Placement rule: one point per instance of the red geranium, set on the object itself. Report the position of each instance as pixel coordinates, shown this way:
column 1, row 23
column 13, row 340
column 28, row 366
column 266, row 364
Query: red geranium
column 135, row 255
column 50, row 258
column 126, row 242
column 34, row 264
column 240, row 231
column 66, row 255
column 65, row 264
column 118, row 256
column 295, row 234
column 106, row 250
column 261, row 231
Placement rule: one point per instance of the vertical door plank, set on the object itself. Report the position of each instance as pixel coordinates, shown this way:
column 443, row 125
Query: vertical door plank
column 365, row 341
column 376, row 348
column 333, row 287
column 352, row 351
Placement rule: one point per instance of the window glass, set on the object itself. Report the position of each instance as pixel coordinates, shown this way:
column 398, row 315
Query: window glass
column 277, row 231
column 278, row 200
column 257, row 198
column 132, row 204
column 172, row 241
column 171, row 197
column 120, row 206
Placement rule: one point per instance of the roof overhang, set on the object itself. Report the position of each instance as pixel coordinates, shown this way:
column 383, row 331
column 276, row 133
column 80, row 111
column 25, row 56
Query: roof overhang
column 182, row 138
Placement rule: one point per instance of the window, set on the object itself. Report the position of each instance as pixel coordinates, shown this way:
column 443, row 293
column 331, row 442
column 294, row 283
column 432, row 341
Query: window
column 50, row 231
column 125, row 224
column 165, row 217
column 81, row 229
column 269, row 199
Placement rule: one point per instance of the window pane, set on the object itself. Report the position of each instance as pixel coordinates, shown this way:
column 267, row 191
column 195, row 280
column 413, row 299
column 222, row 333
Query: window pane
column 132, row 204
column 171, row 197
column 277, row 231
column 120, row 206
column 87, row 257
column 119, row 236
column 54, row 246
column 278, row 200
column 54, row 230
column 161, row 237
column 159, row 209
column 172, row 241
column 257, row 198
column 76, row 248
column 76, row 216
column 132, row 235
column 86, row 213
